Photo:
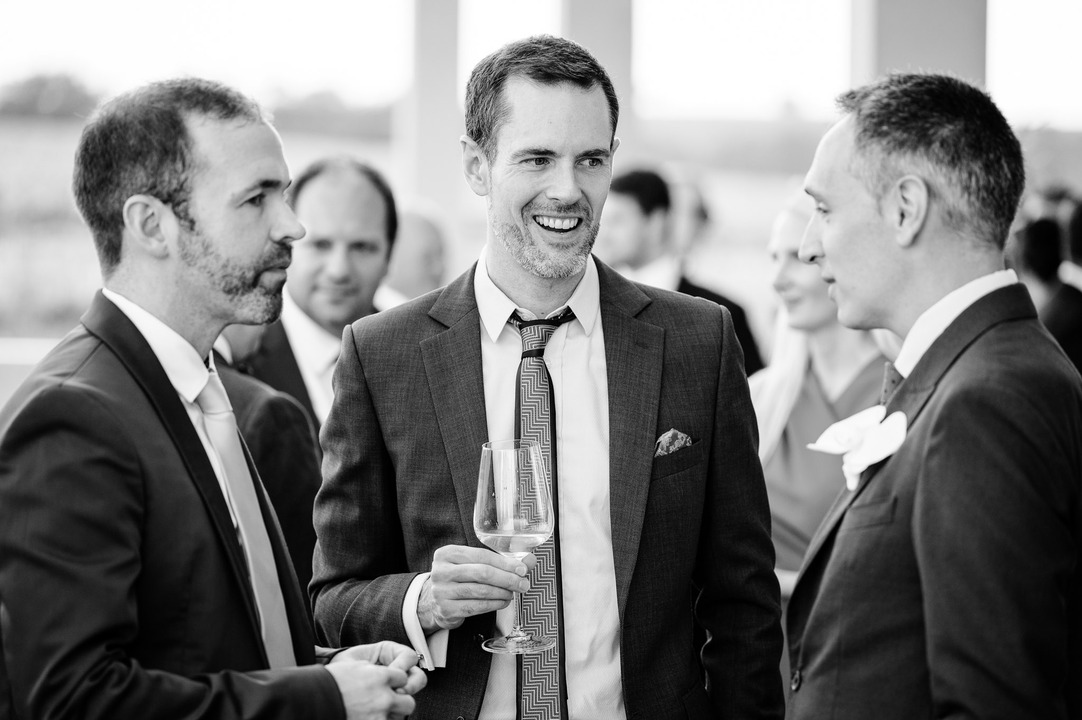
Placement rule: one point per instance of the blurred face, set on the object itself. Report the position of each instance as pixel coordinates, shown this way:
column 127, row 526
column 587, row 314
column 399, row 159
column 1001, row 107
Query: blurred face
column 547, row 182
column 338, row 266
column 798, row 285
column 848, row 237
column 235, row 253
column 624, row 231
column 417, row 261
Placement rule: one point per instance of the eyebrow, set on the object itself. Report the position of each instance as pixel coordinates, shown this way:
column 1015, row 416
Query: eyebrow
column 532, row 152
column 266, row 184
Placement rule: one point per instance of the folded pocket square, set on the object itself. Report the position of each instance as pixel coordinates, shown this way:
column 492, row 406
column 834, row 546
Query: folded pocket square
column 670, row 442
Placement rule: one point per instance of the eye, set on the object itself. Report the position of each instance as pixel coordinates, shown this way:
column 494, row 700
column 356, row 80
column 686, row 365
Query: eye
column 257, row 200
column 593, row 162
column 537, row 161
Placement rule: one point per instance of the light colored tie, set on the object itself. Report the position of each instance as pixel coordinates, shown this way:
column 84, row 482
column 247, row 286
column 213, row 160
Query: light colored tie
column 541, row 675
column 263, row 572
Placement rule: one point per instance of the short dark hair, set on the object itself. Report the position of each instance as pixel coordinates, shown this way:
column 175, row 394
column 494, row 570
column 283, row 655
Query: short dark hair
column 646, row 187
column 952, row 135
column 542, row 58
column 1040, row 249
column 366, row 171
column 138, row 143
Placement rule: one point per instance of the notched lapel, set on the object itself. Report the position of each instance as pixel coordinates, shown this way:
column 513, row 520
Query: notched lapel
column 108, row 322
column 452, row 361
column 634, row 355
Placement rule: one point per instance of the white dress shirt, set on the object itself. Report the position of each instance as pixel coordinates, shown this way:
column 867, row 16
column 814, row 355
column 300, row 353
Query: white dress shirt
column 316, row 351
column 185, row 370
column 933, row 321
column 575, row 357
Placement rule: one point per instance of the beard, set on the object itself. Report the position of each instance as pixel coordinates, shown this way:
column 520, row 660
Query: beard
column 253, row 302
column 537, row 258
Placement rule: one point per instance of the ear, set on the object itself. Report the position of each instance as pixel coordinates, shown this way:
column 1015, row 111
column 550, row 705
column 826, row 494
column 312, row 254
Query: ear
column 475, row 166
column 149, row 225
column 908, row 209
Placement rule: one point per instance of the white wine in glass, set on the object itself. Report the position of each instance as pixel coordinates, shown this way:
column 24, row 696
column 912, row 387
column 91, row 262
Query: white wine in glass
column 513, row 515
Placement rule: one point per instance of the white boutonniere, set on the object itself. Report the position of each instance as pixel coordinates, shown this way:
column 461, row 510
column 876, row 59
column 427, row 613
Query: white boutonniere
column 862, row 440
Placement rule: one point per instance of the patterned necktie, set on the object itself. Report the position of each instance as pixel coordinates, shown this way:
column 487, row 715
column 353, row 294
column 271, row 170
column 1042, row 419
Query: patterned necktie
column 542, row 686
column 222, row 429
column 891, row 380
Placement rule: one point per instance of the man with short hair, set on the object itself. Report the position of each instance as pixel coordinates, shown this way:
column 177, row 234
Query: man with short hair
column 142, row 572
column 946, row 580
column 638, row 401
column 349, row 213
column 636, row 239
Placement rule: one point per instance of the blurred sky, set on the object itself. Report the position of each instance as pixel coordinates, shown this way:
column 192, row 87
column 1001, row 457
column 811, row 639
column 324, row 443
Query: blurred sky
column 758, row 59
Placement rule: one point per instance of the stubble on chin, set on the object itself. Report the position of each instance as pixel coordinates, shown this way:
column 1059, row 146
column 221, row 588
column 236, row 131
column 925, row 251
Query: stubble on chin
column 532, row 257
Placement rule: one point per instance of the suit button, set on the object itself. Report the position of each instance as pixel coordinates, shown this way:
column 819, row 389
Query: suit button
column 460, row 718
column 794, row 681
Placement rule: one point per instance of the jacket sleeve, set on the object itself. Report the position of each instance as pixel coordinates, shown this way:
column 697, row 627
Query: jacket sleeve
column 72, row 500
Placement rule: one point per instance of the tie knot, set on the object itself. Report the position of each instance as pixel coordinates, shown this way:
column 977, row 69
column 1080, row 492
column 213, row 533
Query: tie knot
column 537, row 333
column 212, row 398
column 891, row 380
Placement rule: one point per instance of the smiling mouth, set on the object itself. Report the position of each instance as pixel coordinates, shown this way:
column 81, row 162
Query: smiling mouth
column 557, row 224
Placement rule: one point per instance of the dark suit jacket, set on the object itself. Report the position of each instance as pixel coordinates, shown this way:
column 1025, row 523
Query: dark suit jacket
column 753, row 362
column 402, row 446
column 1062, row 315
column 949, row 583
column 125, row 590
column 284, row 448
column 275, row 364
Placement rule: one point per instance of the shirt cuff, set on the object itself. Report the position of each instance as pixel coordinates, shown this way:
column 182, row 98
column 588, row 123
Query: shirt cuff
column 433, row 648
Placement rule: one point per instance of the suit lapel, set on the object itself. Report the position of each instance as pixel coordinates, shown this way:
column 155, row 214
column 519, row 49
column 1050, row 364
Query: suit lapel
column 1009, row 303
column 113, row 327
column 634, row 355
column 452, row 361
column 276, row 365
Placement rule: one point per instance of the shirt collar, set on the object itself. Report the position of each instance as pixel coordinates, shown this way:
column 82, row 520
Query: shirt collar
column 183, row 366
column 934, row 321
column 306, row 337
column 495, row 307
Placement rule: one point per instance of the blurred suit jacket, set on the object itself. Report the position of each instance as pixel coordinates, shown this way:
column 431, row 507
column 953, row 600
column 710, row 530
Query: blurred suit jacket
column 753, row 362
column 275, row 364
column 949, row 584
column 403, row 444
column 284, row 448
column 125, row 589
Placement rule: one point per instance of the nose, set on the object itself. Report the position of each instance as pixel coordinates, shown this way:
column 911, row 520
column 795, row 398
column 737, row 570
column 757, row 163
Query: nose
column 336, row 263
column 811, row 248
column 564, row 184
column 288, row 229
column 781, row 276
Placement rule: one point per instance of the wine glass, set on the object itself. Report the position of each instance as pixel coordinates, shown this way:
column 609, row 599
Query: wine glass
column 513, row 515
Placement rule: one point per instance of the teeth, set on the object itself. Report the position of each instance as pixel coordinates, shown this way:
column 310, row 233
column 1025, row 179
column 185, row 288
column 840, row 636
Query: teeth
column 556, row 223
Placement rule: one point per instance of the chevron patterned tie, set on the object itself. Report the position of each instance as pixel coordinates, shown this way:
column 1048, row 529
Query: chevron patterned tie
column 891, row 380
column 542, row 686
column 221, row 427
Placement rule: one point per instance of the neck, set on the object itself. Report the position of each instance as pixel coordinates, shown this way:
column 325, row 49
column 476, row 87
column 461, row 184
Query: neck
column 838, row 354
column 162, row 301
column 538, row 295
column 939, row 276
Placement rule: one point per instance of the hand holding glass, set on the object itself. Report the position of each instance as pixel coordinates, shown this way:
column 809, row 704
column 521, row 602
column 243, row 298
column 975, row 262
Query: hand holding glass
column 513, row 515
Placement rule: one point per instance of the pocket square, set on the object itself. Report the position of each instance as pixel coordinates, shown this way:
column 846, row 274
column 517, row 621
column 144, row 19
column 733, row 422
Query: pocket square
column 862, row 440
column 670, row 442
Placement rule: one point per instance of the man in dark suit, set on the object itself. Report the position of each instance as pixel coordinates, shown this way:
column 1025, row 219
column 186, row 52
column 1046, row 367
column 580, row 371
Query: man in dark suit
column 285, row 450
column 142, row 571
column 946, row 580
column 641, row 522
column 349, row 212
column 636, row 238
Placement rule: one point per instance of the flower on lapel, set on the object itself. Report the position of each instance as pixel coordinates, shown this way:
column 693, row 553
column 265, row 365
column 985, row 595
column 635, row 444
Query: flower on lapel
column 670, row 442
column 862, row 440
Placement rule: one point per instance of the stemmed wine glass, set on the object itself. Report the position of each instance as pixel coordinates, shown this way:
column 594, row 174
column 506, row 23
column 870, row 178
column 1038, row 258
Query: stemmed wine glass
column 513, row 515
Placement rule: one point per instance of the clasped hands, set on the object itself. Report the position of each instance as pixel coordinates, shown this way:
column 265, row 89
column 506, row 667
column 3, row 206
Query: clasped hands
column 467, row 581
column 377, row 681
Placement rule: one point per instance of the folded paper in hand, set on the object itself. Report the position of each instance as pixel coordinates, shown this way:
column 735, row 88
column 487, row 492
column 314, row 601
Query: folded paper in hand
column 670, row 442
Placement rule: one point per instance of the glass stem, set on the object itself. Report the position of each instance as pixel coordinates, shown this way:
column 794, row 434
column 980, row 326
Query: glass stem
column 516, row 629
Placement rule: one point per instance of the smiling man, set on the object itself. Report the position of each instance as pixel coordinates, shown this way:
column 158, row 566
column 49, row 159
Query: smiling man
column 638, row 399
column 947, row 582
column 351, row 220
column 142, row 571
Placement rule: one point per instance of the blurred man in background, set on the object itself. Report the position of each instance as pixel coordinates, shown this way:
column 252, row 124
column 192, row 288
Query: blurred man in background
column 418, row 261
column 636, row 239
column 142, row 573
column 351, row 220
